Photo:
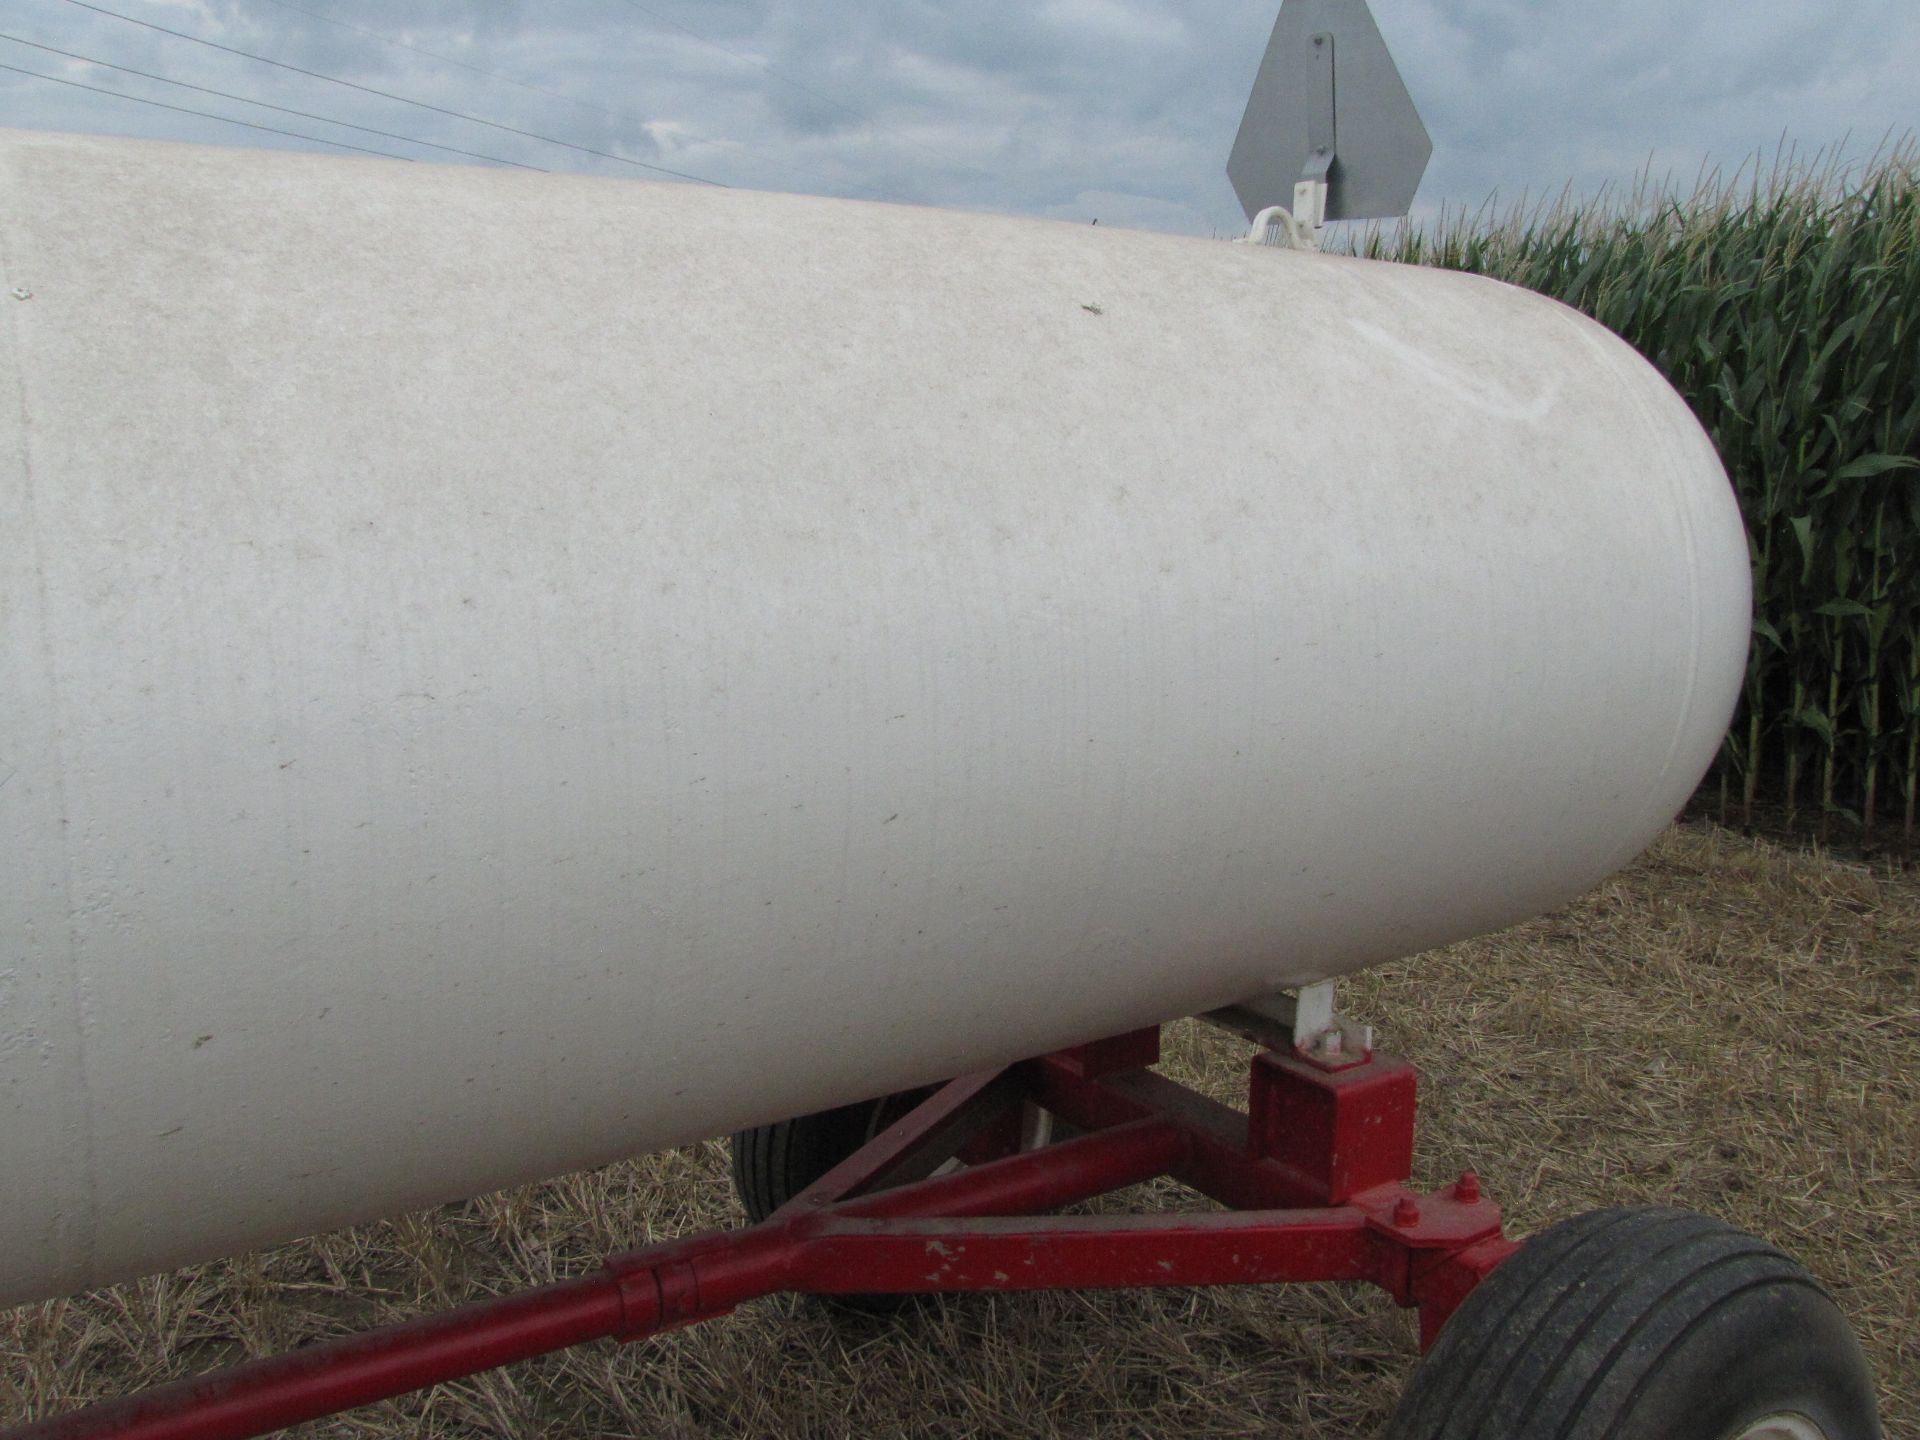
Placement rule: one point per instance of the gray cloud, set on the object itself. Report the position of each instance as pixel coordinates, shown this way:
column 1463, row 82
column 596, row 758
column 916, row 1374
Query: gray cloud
column 1117, row 109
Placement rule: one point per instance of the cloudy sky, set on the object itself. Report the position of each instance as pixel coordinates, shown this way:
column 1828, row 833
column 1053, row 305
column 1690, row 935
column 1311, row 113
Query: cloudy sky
column 1120, row 110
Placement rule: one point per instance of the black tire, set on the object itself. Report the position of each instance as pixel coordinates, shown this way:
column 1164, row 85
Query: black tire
column 1644, row 1324
column 774, row 1163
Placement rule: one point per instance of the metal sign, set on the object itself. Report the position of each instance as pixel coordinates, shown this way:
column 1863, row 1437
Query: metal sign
column 1329, row 105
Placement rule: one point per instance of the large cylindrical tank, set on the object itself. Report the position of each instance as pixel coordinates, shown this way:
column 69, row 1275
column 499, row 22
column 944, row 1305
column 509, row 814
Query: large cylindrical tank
column 503, row 672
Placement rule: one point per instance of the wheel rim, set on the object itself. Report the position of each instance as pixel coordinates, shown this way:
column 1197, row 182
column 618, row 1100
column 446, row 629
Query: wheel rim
column 1782, row 1427
column 1036, row 1127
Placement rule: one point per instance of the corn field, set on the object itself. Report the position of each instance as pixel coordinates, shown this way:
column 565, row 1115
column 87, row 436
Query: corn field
column 1785, row 305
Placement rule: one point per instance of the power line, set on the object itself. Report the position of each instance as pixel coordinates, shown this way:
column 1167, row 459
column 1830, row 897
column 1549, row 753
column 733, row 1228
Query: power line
column 203, row 114
column 623, row 115
column 263, row 104
column 449, row 60
column 804, row 89
column 389, row 95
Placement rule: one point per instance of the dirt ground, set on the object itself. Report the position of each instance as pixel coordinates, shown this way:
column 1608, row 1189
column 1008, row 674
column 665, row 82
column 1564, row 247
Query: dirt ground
column 1727, row 1025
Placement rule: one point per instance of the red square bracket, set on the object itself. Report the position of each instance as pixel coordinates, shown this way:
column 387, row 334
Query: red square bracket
column 1336, row 1132
column 1134, row 1050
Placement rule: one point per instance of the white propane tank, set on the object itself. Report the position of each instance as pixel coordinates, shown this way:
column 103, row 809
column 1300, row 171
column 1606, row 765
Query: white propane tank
column 505, row 672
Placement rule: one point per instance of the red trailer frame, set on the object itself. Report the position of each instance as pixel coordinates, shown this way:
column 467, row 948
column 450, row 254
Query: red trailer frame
column 1312, row 1177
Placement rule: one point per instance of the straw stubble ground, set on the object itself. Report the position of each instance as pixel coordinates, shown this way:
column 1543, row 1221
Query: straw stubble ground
column 1726, row 1025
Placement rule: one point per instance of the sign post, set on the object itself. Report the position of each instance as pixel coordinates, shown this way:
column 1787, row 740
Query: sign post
column 1330, row 132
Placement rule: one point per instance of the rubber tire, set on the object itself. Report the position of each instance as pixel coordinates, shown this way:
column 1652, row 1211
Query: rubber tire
column 774, row 1163
column 1643, row 1324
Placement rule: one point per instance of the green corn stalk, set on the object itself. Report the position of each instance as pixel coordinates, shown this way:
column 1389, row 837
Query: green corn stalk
column 1913, row 749
column 1830, row 729
column 1876, row 633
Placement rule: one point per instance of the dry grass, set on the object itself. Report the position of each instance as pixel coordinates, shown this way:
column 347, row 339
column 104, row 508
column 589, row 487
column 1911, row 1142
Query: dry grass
column 1726, row 1025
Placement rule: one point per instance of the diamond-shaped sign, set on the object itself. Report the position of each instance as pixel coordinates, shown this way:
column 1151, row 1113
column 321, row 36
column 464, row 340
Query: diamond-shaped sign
column 1327, row 79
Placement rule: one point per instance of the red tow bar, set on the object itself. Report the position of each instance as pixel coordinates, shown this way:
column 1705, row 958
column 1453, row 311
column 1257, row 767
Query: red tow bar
column 1313, row 1178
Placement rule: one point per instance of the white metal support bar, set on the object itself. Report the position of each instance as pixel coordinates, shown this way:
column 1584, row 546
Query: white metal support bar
column 1300, row 225
column 1303, row 1021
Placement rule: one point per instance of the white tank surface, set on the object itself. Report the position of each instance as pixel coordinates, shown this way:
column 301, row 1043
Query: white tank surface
column 505, row 672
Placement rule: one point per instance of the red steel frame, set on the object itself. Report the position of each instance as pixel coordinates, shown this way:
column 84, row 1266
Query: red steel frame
column 1313, row 1178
